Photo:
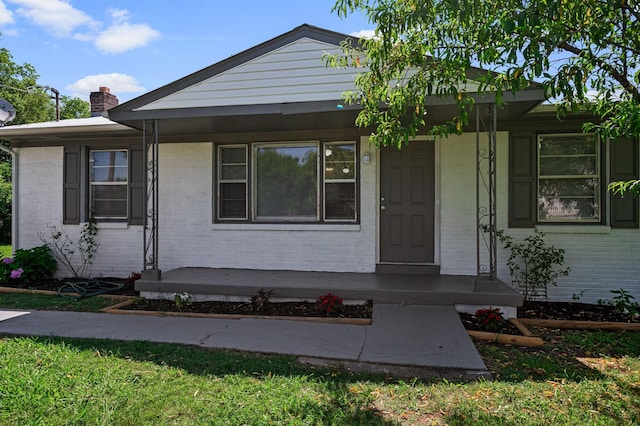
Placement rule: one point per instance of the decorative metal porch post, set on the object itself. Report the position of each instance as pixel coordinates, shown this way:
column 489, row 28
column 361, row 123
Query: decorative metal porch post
column 150, row 233
column 486, row 247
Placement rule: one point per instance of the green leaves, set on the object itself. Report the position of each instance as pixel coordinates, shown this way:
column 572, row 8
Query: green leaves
column 577, row 48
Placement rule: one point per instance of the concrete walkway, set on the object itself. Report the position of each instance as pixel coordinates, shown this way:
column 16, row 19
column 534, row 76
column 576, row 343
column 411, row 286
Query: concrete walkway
column 412, row 340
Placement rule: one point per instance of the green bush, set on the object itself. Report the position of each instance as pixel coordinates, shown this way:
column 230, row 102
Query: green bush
column 5, row 202
column 28, row 265
column 533, row 264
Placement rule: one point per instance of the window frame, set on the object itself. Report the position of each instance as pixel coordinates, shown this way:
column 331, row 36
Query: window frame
column 599, row 198
column 91, row 184
column 252, row 185
column 353, row 180
column 220, row 181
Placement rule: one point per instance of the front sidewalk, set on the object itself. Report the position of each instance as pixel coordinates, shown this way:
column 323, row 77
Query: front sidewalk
column 416, row 340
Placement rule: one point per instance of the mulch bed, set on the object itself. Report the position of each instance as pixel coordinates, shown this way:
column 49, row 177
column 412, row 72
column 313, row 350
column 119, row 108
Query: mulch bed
column 295, row 309
column 534, row 309
column 53, row 284
column 574, row 311
column 470, row 323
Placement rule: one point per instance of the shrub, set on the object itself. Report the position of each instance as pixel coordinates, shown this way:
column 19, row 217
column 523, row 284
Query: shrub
column 260, row 299
column 533, row 264
column 67, row 251
column 5, row 202
column 329, row 303
column 624, row 303
column 28, row 265
column 491, row 319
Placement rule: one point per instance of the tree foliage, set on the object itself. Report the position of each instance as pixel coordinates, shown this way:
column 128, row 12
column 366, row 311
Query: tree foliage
column 33, row 103
column 74, row 108
column 5, row 202
column 19, row 86
column 585, row 53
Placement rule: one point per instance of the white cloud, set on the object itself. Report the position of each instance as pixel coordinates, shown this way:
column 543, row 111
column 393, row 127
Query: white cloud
column 116, row 82
column 119, row 15
column 364, row 34
column 6, row 17
column 61, row 19
column 123, row 36
column 56, row 16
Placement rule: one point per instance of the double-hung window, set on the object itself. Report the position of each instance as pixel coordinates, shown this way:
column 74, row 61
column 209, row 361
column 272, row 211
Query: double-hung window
column 569, row 183
column 108, row 184
column 287, row 182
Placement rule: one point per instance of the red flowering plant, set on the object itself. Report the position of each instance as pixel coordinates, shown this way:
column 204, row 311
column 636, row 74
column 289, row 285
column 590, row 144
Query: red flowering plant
column 329, row 303
column 491, row 319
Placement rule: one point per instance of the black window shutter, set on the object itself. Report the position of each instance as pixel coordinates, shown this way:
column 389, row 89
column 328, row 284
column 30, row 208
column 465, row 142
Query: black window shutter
column 71, row 186
column 522, row 180
column 136, row 185
column 624, row 167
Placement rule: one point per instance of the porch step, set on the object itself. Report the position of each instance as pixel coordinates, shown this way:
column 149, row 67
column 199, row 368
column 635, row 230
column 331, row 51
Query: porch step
column 381, row 288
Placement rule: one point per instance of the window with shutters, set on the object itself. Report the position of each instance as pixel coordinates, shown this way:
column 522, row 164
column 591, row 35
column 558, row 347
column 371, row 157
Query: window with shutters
column 557, row 178
column 106, row 184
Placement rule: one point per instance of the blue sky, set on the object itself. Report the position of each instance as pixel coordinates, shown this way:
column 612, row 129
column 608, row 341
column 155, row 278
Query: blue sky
column 133, row 47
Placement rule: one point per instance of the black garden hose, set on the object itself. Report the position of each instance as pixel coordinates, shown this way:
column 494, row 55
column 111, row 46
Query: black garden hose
column 88, row 287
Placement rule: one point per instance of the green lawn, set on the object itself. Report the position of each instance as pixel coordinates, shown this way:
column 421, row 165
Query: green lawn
column 53, row 302
column 98, row 382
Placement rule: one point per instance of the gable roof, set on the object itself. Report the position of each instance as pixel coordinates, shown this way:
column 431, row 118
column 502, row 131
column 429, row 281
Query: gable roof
column 285, row 69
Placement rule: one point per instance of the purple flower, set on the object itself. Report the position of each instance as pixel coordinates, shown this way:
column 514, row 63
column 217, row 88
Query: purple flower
column 7, row 260
column 17, row 273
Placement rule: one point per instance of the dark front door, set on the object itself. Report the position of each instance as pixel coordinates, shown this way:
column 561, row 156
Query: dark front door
column 407, row 203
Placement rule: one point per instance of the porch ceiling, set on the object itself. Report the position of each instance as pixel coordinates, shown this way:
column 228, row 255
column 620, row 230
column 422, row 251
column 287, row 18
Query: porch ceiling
column 293, row 117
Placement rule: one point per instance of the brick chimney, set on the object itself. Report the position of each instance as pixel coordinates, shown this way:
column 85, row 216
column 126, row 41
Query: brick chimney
column 101, row 101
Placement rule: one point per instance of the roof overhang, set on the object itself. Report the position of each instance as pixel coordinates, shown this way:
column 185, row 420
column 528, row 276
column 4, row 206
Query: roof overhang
column 56, row 132
column 302, row 116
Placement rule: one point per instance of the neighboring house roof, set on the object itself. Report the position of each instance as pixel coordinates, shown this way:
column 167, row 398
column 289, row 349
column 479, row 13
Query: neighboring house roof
column 76, row 128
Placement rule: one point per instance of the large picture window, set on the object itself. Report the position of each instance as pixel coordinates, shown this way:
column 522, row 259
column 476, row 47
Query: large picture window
column 568, row 178
column 108, row 184
column 287, row 182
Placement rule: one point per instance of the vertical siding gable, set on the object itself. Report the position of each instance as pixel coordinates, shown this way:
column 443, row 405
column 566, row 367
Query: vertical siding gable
column 295, row 72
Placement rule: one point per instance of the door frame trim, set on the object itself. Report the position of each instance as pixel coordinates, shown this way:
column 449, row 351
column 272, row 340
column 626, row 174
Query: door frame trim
column 436, row 206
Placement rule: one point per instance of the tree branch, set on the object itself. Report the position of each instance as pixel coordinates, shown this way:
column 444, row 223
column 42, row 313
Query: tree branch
column 614, row 73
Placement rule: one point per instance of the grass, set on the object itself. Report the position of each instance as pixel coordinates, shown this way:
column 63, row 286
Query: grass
column 583, row 377
column 53, row 302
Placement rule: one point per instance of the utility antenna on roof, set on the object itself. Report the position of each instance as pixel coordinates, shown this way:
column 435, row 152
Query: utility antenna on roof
column 7, row 112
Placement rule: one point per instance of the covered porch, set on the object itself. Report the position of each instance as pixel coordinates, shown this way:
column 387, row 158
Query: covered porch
column 405, row 289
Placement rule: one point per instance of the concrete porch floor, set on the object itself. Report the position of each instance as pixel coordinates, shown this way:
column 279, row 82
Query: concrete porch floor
column 380, row 288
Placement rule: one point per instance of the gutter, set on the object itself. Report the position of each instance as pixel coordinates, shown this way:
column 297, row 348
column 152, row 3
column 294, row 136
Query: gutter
column 14, row 196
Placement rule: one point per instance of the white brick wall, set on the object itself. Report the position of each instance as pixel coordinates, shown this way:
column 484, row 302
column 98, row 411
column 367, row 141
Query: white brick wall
column 186, row 211
column 601, row 259
column 40, row 206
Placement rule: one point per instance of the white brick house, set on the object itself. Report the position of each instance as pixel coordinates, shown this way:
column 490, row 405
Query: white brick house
column 261, row 167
